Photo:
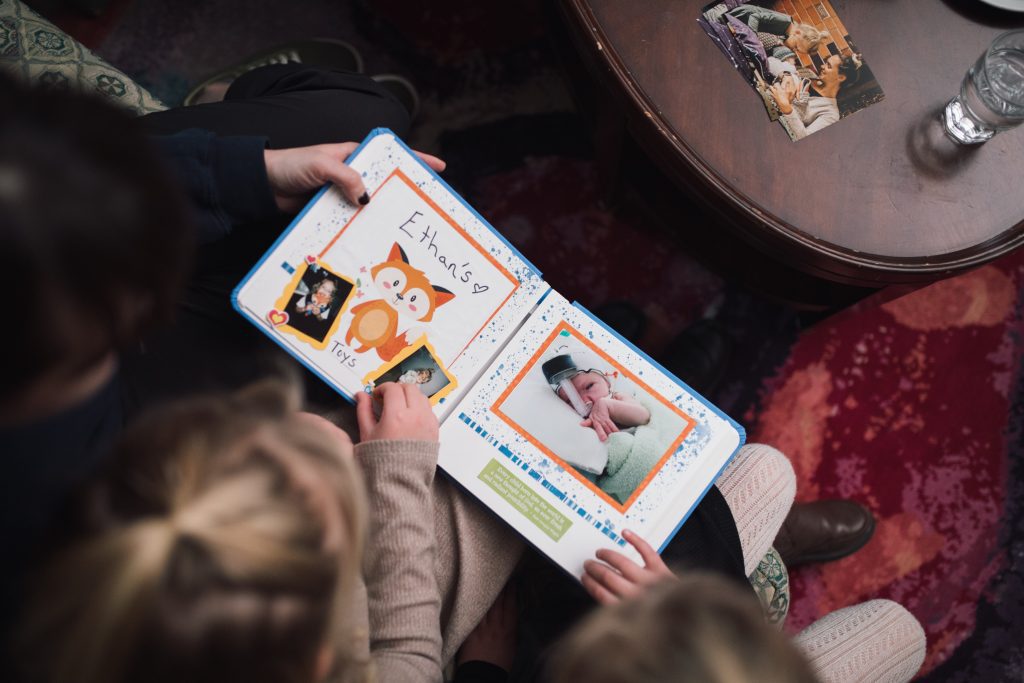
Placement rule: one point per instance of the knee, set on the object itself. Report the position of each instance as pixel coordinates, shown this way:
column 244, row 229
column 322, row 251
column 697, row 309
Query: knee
column 769, row 465
column 901, row 628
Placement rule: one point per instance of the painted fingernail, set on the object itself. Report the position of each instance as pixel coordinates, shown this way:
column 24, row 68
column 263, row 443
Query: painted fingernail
column 364, row 198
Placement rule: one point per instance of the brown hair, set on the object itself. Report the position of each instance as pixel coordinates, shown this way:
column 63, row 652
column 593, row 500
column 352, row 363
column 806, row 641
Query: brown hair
column 700, row 629
column 91, row 229
column 222, row 545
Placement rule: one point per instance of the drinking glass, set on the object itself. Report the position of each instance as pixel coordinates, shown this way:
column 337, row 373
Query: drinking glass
column 991, row 96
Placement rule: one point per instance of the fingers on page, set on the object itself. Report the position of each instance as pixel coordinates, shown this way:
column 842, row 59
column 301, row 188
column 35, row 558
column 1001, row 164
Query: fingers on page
column 601, row 594
column 625, row 566
column 364, row 415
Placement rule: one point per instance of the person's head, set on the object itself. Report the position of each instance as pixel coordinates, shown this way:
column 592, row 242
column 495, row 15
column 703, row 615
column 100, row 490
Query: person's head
column 323, row 292
column 222, row 544
column 804, row 37
column 844, row 71
column 423, row 375
column 590, row 385
column 93, row 238
column 699, row 629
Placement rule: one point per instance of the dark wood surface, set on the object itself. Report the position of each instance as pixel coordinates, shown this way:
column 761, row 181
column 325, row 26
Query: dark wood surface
column 880, row 197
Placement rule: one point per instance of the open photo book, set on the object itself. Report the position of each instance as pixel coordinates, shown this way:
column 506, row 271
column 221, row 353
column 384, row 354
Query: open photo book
column 549, row 418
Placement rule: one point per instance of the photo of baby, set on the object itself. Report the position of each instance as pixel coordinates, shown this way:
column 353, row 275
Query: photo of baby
column 419, row 368
column 316, row 301
column 593, row 417
column 799, row 57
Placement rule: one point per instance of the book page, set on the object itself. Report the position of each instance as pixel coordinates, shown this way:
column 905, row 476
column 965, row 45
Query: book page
column 572, row 435
column 414, row 287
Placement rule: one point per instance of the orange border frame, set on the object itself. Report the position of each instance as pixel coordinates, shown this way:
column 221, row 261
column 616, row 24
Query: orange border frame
column 564, row 326
column 289, row 290
column 397, row 173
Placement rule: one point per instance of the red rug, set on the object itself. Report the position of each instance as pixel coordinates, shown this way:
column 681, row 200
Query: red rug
column 905, row 407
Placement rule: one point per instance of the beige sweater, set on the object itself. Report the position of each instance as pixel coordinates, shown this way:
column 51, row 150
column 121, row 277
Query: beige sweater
column 435, row 562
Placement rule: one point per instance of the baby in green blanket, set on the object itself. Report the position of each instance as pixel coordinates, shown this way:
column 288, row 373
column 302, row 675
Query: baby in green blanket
column 636, row 433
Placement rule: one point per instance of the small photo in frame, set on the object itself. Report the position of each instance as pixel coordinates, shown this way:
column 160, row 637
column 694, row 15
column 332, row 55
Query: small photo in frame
column 314, row 301
column 417, row 365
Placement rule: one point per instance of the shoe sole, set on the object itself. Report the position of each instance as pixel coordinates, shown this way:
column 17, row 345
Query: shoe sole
column 327, row 52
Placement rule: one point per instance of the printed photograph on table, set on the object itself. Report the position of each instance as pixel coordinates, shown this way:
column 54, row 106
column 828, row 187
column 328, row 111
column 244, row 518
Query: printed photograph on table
column 313, row 302
column 799, row 58
column 417, row 365
column 592, row 416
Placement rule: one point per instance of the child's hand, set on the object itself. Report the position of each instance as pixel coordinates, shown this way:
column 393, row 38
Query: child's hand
column 600, row 419
column 494, row 638
column 405, row 414
column 621, row 577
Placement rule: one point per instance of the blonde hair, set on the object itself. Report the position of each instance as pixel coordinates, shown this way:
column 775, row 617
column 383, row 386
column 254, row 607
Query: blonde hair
column 700, row 629
column 812, row 37
column 223, row 544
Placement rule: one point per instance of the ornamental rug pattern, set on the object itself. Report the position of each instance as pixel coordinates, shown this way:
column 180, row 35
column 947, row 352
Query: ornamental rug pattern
column 34, row 49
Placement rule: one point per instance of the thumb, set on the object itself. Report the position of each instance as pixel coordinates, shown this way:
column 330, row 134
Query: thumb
column 348, row 181
column 364, row 415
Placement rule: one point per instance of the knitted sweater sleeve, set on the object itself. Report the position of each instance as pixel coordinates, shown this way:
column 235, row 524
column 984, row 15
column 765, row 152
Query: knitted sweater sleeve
column 404, row 600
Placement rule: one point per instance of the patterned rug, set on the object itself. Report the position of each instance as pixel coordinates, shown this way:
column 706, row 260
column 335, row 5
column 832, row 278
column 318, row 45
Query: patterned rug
column 914, row 407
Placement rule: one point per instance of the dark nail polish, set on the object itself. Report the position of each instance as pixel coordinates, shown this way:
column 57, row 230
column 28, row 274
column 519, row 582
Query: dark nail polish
column 364, row 198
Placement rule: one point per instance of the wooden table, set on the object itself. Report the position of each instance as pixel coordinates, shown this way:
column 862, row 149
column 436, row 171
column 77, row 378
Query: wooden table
column 879, row 198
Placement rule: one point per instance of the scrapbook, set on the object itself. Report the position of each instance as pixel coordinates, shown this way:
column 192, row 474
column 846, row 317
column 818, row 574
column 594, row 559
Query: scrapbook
column 548, row 417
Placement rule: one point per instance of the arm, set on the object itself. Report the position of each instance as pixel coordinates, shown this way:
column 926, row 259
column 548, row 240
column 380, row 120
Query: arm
column 398, row 455
column 231, row 181
column 822, row 118
column 224, row 179
column 762, row 19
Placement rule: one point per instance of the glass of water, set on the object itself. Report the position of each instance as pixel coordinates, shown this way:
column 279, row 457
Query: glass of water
column 991, row 96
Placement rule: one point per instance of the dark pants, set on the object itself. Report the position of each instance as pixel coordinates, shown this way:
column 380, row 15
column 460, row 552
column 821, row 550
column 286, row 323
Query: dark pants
column 293, row 105
column 210, row 346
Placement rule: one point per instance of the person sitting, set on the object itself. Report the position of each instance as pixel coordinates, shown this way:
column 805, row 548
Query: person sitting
column 699, row 628
column 226, row 541
column 114, row 271
column 779, row 33
column 803, row 113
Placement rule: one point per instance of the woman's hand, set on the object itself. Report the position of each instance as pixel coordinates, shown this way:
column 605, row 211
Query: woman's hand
column 600, row 419
column 296, row 173
column 405, row 414
column 783, row 93
column 617, row 577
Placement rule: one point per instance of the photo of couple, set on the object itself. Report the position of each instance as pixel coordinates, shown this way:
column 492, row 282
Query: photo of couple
column 798, row 56
column 590, row 414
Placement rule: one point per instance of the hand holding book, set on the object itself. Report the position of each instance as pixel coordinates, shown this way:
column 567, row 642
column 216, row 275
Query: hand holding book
column 295, row 174
column 405, row 414
column 616, row 576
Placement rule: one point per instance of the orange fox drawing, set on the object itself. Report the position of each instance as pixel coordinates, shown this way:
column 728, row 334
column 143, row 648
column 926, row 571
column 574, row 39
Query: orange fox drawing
column 405, row 291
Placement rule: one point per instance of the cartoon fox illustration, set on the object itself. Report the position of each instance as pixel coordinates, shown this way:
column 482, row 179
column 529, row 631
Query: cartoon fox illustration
column 407, row 292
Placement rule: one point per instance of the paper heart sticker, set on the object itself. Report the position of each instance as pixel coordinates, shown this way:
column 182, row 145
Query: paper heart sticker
column 311, row 260
column 277, row 317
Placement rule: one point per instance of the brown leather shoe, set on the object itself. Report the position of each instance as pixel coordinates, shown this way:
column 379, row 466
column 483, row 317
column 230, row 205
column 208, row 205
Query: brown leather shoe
column 823, row 531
